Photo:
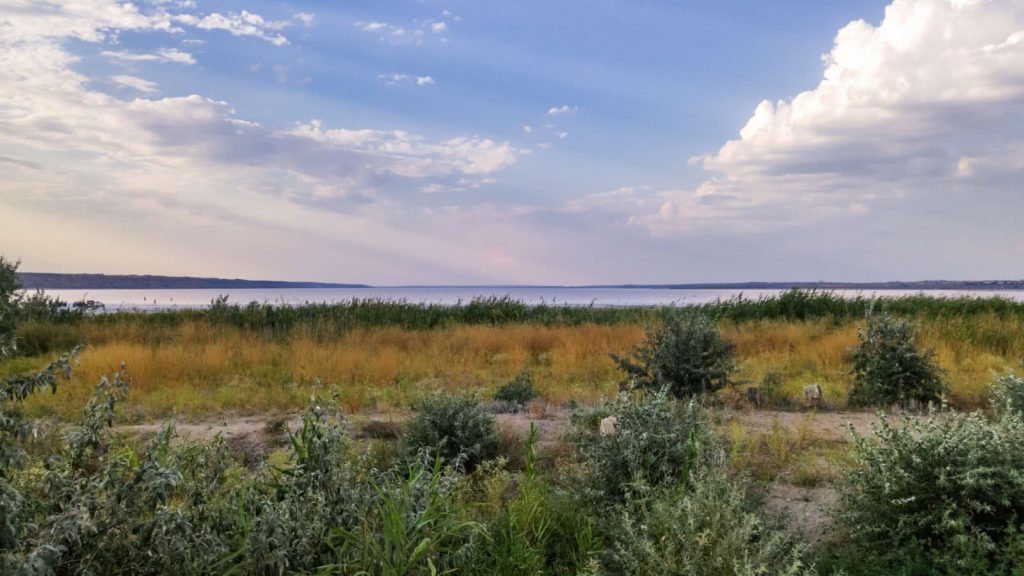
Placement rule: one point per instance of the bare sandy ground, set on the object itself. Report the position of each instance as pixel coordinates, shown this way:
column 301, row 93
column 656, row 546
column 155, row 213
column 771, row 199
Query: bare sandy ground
column 806, row 511
column 829, row 426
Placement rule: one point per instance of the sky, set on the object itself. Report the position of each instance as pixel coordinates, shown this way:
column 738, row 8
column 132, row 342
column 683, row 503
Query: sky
column 563, row 142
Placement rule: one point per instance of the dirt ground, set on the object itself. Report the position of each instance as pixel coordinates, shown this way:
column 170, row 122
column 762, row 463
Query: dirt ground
column 804, row 509
column 830, row 426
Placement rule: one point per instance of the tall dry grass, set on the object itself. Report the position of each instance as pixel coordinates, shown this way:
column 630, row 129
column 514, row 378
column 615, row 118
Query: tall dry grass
column 199, row 369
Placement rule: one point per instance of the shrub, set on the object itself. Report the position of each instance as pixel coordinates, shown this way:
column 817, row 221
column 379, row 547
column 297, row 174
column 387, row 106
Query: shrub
column 708, row 526
column 9, row 287
column 658, row 441
column 888, row 368
column 771, row 390
column 684, row 352
column 17, row 307
column 1008, row 395
column 454, row 427
column 943, row 495
column 519, row 390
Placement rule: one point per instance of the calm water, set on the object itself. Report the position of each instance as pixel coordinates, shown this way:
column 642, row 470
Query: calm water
column 170, row 299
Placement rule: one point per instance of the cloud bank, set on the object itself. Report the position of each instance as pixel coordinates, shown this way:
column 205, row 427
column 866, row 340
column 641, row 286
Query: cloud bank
column 929, row 100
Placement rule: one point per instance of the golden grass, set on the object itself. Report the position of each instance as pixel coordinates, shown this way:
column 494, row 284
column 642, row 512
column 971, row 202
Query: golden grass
column 198, row 370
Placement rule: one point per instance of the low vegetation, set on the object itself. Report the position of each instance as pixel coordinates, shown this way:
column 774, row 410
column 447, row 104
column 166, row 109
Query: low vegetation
column 251, row 359
column 97, row 503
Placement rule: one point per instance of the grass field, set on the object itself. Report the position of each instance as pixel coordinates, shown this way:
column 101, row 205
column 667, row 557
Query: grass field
column 199, row 365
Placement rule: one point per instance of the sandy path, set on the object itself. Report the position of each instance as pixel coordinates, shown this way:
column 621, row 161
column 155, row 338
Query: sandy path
column 829, row 426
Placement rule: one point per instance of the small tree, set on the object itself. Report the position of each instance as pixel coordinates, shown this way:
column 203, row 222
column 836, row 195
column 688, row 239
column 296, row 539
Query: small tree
column 888, row 367
column 684, row 353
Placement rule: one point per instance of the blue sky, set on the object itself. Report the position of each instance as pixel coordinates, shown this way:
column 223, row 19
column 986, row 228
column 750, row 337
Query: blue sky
column 571, row 142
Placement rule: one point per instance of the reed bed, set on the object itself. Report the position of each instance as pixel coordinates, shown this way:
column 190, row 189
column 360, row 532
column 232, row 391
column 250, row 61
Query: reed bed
column 196, row 368
column 330, row 319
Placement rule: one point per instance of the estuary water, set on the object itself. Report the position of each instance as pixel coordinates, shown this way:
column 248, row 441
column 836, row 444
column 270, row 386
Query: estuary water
column 603, row 297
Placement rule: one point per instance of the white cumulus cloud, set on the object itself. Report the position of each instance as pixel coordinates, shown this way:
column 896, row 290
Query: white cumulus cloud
column 920, row 103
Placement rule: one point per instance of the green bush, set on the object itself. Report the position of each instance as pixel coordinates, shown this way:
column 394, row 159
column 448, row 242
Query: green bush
column 519, row 390
column 707, row 526
column 771, row 391
column 942, row 495
column 9, row 287
column 888, row 368
column 685, row 353
column 658, row 441
column 454, row 427
column 1008, row 395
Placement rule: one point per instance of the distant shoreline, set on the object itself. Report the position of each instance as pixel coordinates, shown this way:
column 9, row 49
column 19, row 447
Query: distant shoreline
column 51, row 281
column 54, row 281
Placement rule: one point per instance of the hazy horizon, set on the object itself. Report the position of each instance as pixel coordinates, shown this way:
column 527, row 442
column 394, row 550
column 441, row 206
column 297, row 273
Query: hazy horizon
column 711, row 284
column 453, row 143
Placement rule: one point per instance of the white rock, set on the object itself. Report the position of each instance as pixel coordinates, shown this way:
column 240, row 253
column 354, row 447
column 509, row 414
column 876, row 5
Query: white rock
column 609, row 426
